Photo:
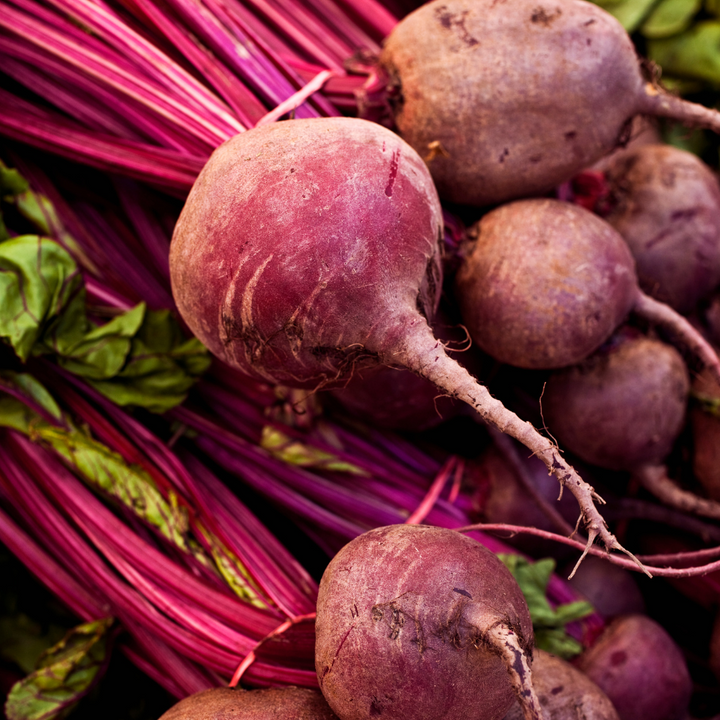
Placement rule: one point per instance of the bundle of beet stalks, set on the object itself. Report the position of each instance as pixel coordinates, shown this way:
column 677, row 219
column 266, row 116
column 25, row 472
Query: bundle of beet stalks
column 134, row 466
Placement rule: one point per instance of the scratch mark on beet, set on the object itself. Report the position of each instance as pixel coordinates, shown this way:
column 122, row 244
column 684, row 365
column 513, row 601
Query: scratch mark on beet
column 328, row 668
column 456, row 23
column 542, row 16
column 463, row 592
column 394, row 162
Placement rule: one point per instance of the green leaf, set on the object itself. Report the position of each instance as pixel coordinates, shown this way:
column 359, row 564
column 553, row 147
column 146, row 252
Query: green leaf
column 11, row 181
column 129, row 484
column 65, row 673
column 548, row 622
column 31, row 388
column 293, row 452
column 161, row 368
column 32, row 299
column 102, row 351
column 630, row 13
column 22, row 640
column 694, row 53
column 670, row 17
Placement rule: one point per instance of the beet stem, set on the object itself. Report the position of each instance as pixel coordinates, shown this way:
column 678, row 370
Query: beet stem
column 655, row 480
column 505, row 640
column 663, row 315
column 425, row 355
column 659, row 103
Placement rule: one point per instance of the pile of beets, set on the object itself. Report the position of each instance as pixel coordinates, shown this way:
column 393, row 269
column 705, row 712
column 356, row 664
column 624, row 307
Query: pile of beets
column 314, row 254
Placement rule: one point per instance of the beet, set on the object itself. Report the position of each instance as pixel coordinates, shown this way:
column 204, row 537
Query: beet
column 566, row 693
column 502, row 497
column 223, row 703
column 422, row 622
column 640, row 668
column 666, row 204
column 396, row 399
column 509, row 100
column 706, row 437
column 546, row 282
column 610, row 589
column 623, row 407
column 309, row 249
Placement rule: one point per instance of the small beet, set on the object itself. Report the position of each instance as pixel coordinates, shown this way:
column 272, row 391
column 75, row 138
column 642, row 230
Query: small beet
column 508, row 100
column 666, row 204
column 223, row 703
column 623, row 407
column 396, row 399
column 546, row 282
column 565, row 693
column 424, row 623
column 640, row 668
column 503, row 498
column 610, row 589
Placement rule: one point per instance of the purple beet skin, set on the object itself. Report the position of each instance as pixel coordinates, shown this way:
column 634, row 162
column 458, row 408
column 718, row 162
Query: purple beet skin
column 510, row 99
column 641, row 669
column 546, row 282
column 623, row 407
column 666, row 204
column 424, row 623
column 223, row 703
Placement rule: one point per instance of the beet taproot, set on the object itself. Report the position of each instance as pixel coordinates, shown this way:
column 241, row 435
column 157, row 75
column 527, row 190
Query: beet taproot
column 422, row 622
column 224, row 703
column 309, row 249
column 544, row 283
column 665, row 202
column 565, row 693
column 510, row 99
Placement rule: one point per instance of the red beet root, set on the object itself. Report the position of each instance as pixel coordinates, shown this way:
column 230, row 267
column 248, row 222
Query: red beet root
column 547, row 282
column 623, row 407
column 641, row 670
column 424, row 623
column 310, row 248
column 288, row 703
column 666, row 204
column 565, row 71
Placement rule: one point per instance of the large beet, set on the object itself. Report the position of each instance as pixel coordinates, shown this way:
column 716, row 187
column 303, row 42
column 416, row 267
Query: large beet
column 223, row 703
column 509, row 99
column 424, row 623
column 666, row 204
